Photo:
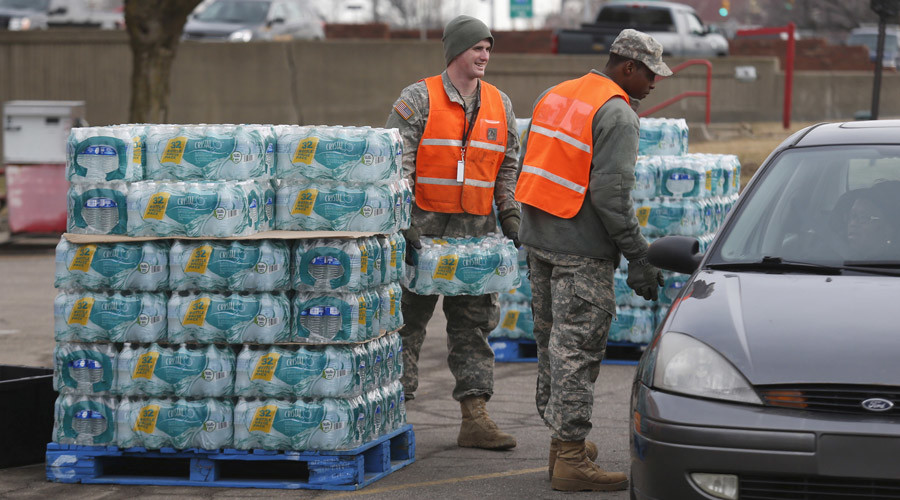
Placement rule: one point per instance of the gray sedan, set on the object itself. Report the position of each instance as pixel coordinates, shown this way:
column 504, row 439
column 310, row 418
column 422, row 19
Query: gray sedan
column 775, row 374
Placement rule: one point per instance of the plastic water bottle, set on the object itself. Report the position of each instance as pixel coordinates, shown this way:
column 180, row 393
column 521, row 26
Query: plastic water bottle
column 646, row 171
column 119, row 266
column 325, row 318
column 117, row 317
column 632, row 324
column 88, row 369
column 179, row 423
column 327, row 265
column 375, row 400
column 197, row 372
column 97, row 208
column 206, row 152
column 104, row 154
column 84, row 420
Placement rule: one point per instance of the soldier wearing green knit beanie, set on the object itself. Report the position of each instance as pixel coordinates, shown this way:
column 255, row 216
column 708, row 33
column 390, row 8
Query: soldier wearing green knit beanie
column 462, row 33
column 460, row 150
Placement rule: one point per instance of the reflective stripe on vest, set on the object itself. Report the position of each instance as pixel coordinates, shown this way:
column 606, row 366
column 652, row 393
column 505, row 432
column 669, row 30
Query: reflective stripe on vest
column 557, row 164
column 440, row 149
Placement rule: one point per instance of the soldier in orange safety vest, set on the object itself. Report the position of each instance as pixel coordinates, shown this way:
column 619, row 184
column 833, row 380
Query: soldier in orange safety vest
column 460, row 153
column 575, row 183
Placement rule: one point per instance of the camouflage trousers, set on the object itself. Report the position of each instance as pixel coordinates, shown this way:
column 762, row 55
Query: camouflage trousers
column 470, row 318
column 573, row 302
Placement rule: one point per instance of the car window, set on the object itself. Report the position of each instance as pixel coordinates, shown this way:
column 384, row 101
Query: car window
column 294, row 12
column 659, row 18
column 695, row 27
column 823, row 205
column 235, row 11
column 280, row 12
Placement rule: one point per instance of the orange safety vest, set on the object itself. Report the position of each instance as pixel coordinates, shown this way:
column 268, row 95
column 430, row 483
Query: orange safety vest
column 557, row 165
column 441, row 149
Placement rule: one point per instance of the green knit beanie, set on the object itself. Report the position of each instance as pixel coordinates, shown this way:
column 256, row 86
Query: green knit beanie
column 461, row 34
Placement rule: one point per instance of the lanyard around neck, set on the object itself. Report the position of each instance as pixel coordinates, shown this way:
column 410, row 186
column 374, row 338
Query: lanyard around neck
column 468, row 131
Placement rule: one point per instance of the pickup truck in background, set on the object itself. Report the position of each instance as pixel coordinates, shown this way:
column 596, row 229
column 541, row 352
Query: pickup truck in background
column 676, row 26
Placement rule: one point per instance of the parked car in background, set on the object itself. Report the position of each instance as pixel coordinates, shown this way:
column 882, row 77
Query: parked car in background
column 675, row 26
column 246, row 20
column 868, row 37
column 102, row 14
column 774, row 373
column 23, row 15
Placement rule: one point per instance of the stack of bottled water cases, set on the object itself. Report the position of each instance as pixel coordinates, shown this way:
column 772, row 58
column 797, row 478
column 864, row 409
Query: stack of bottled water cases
column 516, row 318
column 675, row 193
column 340, row 179
column 171, row 180
column 185, row 345
column 197, row 343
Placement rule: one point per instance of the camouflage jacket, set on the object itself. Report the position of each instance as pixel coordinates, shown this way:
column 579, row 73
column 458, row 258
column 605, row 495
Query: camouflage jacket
column 413, row 101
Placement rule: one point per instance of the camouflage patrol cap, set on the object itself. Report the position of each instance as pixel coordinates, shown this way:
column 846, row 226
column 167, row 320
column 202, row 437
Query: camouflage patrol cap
column 641, row 47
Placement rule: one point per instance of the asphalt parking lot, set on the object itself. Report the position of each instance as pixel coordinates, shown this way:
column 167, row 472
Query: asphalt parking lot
column 441, row 469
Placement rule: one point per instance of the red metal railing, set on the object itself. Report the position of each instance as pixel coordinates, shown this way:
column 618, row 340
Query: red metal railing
column 788, row 64
column 690, row 93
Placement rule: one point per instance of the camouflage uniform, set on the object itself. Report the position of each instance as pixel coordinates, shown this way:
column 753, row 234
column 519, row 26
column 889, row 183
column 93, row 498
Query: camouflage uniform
column 469, row 318
column 573, row 304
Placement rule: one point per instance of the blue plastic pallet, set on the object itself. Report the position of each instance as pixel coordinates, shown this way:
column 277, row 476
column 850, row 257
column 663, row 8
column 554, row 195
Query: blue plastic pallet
column 315, row 470
column 514, row 350
column 525, row 351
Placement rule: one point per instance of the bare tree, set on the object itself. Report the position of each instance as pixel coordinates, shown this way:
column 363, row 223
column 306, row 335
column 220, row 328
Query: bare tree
column 154, row 30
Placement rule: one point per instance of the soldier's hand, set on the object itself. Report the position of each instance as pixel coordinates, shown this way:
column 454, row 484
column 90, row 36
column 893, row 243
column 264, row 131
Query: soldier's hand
column 644, row 278
column 509, row 223
column 412, row 242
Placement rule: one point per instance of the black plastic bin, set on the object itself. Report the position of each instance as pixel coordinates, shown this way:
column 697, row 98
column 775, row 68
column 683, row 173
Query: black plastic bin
column 26, row 414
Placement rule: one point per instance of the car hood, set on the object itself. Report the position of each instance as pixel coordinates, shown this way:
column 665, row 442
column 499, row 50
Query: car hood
column 791, row 328
column 222, row 29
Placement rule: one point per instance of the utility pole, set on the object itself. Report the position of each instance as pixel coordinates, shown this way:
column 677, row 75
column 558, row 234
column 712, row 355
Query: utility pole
column 885, row 9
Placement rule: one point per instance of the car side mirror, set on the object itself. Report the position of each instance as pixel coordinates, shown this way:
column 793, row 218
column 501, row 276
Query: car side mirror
column 277, row 20
column 680, row 254
column 59, row 10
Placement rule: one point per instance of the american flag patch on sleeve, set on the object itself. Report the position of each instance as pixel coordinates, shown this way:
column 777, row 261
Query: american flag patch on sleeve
column 403, row 109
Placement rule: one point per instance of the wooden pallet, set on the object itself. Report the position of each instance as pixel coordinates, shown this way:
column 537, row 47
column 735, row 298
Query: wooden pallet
column 525, row 351
column 318, row 470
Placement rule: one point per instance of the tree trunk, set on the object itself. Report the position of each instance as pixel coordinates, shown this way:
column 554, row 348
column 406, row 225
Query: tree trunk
column 154, row 30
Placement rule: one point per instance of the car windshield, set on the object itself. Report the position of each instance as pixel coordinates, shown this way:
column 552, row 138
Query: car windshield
column 35, row 5
column 236, row 12
column 827, row 206
column 628, row 15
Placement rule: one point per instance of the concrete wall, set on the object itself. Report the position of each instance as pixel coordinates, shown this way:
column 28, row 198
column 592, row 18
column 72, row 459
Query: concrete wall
column 354, row 82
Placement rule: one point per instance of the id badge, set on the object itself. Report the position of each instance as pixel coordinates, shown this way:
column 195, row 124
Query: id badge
column 460, row 170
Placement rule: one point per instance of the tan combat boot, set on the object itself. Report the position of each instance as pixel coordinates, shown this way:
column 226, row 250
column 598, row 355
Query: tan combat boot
column 478, row 430
column 574, row 472
column 590, row 450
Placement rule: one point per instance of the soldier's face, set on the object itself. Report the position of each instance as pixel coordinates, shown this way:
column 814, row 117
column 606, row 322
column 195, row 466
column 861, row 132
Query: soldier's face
column 639, row 80
column 474, row 61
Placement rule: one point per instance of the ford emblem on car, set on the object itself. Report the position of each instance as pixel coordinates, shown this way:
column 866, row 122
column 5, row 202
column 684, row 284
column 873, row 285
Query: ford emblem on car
column 877, row 404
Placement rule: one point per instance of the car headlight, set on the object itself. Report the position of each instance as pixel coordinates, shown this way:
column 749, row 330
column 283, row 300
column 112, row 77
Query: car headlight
column 687, row 366
column 19, row 24
column 241, row 36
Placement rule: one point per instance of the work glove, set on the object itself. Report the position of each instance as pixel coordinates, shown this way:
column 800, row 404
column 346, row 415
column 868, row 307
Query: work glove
column 509, row 223
column 644, row 278
column 412, row 242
